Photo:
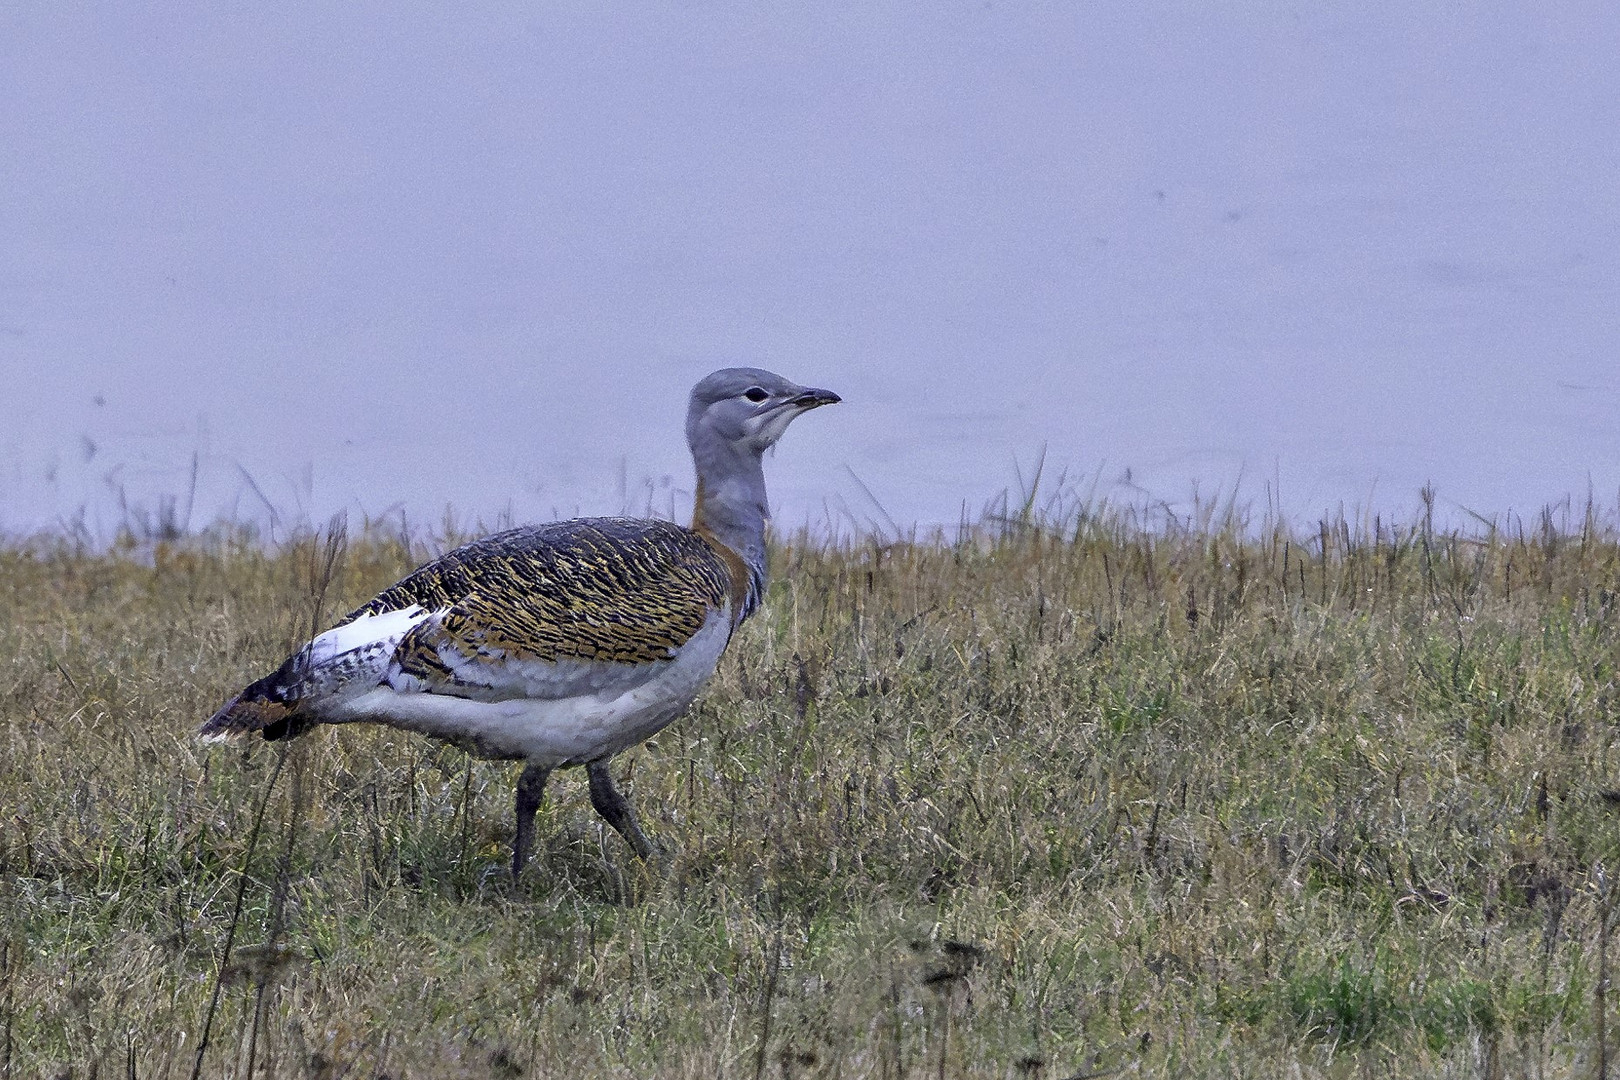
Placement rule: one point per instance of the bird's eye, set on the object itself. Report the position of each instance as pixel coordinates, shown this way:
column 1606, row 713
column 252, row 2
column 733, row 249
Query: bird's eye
column 755, row 394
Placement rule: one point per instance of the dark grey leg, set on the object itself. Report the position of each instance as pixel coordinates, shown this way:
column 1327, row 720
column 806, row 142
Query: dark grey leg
column 531, row 789
column 616, row 809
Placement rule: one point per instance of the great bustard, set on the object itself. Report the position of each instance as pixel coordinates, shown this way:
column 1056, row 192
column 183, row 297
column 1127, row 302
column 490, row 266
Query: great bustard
column 558, row 644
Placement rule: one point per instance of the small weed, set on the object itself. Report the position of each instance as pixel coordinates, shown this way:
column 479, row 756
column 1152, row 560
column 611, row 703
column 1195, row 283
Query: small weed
column 1342, row 1003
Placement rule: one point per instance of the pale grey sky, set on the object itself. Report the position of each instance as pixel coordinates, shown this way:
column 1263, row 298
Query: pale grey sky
column 391, row 254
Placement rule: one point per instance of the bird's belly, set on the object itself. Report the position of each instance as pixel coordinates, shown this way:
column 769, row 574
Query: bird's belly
column 554, row 731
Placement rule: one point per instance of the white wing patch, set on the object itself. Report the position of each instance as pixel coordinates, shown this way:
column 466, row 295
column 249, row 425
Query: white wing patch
column 353, row 658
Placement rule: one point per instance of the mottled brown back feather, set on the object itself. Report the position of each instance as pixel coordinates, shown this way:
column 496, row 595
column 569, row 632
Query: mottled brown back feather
column 604, row 590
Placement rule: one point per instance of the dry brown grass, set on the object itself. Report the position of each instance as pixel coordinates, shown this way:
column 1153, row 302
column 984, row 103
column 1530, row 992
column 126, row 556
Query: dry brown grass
column 1073, row 798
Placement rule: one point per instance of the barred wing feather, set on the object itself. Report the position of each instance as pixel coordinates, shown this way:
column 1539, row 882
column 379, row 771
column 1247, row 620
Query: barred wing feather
column 596, row 606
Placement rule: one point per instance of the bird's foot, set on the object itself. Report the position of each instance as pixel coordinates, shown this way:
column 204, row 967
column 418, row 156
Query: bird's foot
column 617, row 811
column 531, row 789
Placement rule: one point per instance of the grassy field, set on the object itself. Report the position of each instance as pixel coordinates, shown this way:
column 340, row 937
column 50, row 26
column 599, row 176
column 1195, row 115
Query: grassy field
column 1063, row 799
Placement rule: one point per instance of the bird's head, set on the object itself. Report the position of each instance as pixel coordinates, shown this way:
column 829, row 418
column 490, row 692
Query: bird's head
column 748, row 408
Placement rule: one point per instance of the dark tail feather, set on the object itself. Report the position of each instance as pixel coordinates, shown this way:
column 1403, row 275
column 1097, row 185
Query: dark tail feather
column 260, row 708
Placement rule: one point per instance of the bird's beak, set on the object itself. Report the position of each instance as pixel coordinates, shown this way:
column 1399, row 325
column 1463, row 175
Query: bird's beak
column 810, row 398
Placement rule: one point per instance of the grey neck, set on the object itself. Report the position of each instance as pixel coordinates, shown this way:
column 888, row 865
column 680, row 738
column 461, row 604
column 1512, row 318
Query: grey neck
column 731, row 504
